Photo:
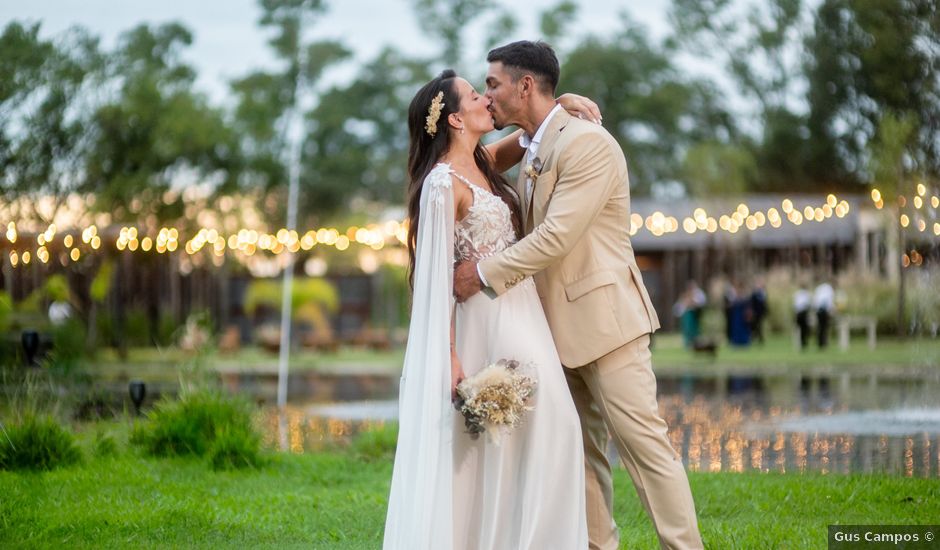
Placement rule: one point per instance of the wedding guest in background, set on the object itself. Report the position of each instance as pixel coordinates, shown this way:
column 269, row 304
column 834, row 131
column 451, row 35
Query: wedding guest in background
column 758, row 310
column 689, row 311
column 802, row 300
column 824, row 304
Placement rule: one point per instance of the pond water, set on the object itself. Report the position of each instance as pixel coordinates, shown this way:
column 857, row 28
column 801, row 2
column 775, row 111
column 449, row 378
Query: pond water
column 821, row 425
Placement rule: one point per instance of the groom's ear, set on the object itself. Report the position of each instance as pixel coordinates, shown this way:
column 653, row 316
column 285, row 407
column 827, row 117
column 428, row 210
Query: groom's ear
column 526, row 86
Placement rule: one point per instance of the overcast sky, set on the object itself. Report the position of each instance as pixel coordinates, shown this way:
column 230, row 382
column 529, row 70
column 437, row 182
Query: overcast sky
column 228, row 42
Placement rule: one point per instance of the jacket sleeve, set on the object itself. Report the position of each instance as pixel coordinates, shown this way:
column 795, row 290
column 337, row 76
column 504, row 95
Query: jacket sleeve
column 587, row 175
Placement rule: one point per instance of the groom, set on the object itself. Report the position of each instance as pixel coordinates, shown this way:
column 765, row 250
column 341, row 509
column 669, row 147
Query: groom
column 575, row 198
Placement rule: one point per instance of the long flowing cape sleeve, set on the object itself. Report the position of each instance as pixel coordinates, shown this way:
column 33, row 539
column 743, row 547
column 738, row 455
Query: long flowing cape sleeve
column 420, row 505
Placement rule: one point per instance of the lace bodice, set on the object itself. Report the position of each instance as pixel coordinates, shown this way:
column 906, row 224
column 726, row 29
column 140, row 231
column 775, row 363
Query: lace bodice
column 487, row 227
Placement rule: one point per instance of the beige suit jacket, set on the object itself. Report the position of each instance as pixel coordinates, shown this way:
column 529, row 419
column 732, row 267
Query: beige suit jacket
column 577, row 245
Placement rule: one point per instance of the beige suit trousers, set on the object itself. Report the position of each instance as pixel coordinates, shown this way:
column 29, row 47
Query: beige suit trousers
column 618, row 392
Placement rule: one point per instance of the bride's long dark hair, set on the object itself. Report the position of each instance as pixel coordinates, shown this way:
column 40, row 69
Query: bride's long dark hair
column 426, row 150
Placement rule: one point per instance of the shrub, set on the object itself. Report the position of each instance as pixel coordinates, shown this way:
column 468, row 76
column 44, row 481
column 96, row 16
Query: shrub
column 37, row 443
column 105, row 445
column 234, row 448
column 6, row 311
column 68, row 344
column 137, row 331
column 8, row 348
column 166, row 329
column 201, row 423
column 376, row 443
column 56, row 288
column 781, row 285
column 311, row 299
column 923, row 301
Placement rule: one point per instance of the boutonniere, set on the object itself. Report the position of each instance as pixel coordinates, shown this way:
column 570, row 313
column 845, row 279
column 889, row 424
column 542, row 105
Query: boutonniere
column 533, row 169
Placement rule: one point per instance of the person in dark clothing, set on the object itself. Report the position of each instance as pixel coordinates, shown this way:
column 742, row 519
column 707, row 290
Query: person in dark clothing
column 802, row 300
column 824, row 304
column 758, row 311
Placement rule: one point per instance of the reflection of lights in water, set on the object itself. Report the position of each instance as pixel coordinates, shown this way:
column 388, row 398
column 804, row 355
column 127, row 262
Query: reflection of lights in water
column 338, row 428
column 676, row 435
column 315, row 431
column 926, row 445
column 779, row 446
column 821, row 449
column 709, row 436
column 296, row 436
column 845, row 444
column 695, row 449
column 798, row 443
column 735, row 447
column 757, row 454
column 714, row 450
column 909, row 457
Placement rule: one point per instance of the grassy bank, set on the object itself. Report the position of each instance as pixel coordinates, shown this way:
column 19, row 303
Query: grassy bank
column 337, row 499
column 154, row 364
column 779, row 352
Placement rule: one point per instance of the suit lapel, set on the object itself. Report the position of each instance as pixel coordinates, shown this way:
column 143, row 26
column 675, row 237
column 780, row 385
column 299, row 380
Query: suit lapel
column 523, row 199
column 555, row 126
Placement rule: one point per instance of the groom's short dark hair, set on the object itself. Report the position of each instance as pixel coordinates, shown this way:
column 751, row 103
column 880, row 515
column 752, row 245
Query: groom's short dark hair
column 535, row 58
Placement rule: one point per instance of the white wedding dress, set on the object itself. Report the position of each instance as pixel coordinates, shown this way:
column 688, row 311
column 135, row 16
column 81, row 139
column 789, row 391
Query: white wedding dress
column 448, row 490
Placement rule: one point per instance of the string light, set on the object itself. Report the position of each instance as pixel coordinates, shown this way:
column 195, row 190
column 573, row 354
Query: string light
column 247, row 242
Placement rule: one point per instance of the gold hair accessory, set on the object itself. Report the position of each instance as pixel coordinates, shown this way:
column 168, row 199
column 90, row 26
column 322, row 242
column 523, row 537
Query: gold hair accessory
column 434, row 113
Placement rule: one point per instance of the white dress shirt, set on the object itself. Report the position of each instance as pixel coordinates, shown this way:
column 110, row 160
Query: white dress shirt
column 802, row 299
column 531, row 145
column 824, row 297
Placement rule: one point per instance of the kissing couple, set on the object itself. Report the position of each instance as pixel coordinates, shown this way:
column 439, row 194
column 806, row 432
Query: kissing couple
column 541, row 271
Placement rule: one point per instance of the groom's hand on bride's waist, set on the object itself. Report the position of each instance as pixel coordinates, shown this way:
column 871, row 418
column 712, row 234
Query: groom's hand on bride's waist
column 466, row 281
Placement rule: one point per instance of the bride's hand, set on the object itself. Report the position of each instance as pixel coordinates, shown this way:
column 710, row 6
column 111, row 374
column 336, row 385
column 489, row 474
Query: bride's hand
column 580, row 107
column 456, row 375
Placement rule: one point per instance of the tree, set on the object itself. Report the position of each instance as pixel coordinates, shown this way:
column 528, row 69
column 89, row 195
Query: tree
column 360, row 140
column 891, row 153
column 763, row 55
column 712, row 168
column 155, row 131
column 654, row 112
column 871, row 58
column 447, row 20
column 266, row 100
column 552, row 21
column 48, row 90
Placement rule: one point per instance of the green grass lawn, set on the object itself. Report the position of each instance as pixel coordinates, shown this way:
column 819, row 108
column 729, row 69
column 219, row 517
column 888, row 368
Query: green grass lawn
column 160, row 364
column 336, row 499
column 668, row 353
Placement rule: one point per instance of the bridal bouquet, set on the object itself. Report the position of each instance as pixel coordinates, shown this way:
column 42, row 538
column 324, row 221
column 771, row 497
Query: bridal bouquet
column 495, row 399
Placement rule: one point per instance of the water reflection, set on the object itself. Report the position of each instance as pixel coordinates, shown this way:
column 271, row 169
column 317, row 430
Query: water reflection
column 711, row 435
column 297, row 430
column 725, row 436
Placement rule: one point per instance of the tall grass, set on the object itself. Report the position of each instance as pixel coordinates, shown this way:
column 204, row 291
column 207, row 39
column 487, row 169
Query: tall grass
column 204, row 423
column 36, row 443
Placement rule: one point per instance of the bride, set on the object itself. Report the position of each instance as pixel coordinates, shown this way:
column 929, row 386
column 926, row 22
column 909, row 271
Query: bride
column 450, row 491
